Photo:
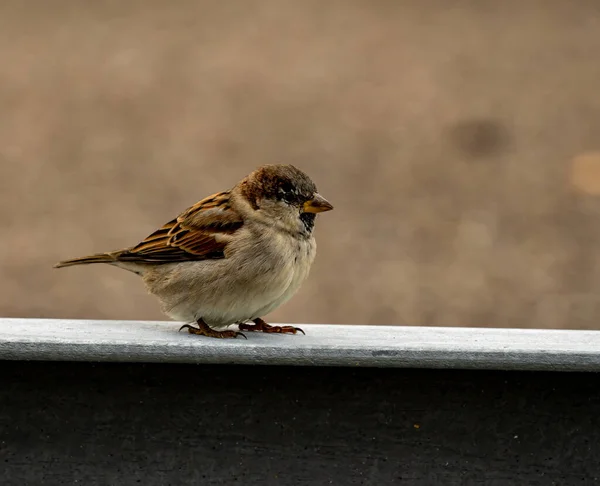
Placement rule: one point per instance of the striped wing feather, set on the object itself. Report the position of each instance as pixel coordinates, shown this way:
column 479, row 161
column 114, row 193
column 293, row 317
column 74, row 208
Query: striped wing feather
column 199, row 233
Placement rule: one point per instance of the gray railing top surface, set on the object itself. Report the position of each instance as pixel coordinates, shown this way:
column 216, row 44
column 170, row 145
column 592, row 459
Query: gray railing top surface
column 323, row 345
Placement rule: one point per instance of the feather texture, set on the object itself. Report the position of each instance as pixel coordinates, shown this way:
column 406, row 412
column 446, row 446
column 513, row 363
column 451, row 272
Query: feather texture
column 201, row 232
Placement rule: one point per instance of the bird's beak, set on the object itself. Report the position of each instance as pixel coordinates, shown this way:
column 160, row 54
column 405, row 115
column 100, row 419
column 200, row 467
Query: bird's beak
column 317, row 204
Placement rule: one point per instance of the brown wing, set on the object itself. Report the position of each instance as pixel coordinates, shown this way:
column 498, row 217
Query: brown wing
column 199, row 233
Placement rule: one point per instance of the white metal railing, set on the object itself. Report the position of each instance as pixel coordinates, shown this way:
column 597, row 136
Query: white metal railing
column 323, row 345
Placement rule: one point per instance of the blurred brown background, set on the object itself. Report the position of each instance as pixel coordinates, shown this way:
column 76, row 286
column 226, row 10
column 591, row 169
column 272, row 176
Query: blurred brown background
column 458, row 140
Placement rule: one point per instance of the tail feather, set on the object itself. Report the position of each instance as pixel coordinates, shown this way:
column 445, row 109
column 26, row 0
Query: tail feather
column 99, row 258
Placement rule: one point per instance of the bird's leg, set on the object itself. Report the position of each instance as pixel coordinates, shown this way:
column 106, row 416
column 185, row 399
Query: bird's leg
column 204, row 329
column 260, row 325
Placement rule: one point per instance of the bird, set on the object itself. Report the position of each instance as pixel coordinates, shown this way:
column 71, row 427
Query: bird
column 232, row 257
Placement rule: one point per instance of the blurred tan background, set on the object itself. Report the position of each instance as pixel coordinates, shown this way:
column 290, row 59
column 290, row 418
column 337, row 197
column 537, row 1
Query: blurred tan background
column 458, row 140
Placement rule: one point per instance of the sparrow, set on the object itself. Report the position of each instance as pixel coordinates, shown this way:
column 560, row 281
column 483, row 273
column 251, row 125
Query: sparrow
column 231, row 258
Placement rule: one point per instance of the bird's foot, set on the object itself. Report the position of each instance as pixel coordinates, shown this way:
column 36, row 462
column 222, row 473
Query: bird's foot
column 260, row 325
column 204, row 329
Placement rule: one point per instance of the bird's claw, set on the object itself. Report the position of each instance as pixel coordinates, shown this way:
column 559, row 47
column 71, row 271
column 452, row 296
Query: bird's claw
column 207, row 331
column 262, row 326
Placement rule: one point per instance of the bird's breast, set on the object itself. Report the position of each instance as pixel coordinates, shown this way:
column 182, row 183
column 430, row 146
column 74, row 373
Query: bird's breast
column 295, row 260
column 259, row 274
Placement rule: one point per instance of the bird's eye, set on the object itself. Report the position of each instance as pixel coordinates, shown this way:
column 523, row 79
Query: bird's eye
column 287, row 193
column 288, row 196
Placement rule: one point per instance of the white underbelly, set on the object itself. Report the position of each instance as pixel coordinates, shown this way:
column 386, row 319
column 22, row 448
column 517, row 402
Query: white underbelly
column 299, row 275
column 229, row 297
